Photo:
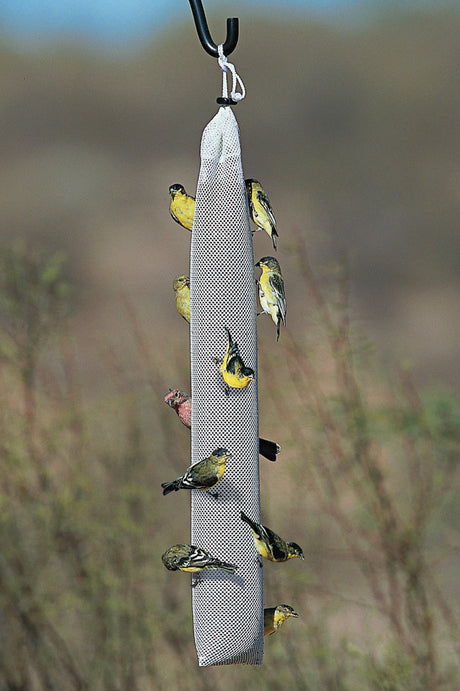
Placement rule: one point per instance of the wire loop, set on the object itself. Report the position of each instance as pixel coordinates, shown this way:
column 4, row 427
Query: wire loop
column 226, row 66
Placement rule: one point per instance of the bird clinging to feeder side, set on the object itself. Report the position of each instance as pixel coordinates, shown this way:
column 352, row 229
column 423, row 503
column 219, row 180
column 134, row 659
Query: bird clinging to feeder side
column 182, row 206
column 270, row 545
column 235, row 373
column 271, row 291
column 260, row 209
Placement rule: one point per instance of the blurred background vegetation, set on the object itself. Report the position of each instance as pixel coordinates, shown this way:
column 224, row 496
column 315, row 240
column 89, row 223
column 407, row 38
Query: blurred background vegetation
column 353, row 130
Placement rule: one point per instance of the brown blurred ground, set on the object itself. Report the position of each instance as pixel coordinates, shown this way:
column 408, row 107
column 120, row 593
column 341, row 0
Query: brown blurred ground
column 354, row 134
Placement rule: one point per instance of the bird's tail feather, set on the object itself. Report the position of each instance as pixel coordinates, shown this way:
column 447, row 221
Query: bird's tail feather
column 249, row 521
column 268, row 449
column 225, row 566
column 171, row 486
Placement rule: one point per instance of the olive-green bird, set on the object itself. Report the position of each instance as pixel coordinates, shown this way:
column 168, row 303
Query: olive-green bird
column 233, row 369
column 274, row 617
column 260, row 208
column 271, row 291
column 202, row 475
column 181, row 286
column 182, row 207
column 192, row 559
column 270, row 545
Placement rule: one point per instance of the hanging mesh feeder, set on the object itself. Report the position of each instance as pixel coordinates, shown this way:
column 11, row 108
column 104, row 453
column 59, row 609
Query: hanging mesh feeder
column 227, row 608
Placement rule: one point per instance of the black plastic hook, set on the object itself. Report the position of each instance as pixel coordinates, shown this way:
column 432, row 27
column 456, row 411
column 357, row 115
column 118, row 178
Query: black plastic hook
column 203, row 31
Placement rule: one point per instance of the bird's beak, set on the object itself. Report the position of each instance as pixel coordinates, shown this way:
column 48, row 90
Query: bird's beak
column 258, row 264
column 294, row 614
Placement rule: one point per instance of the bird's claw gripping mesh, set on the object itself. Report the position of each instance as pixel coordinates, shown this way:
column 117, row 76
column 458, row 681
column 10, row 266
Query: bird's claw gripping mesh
column 227, row 609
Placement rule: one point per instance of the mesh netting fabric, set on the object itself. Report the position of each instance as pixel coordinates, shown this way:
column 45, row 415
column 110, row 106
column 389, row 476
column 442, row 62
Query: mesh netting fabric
column 227, row 609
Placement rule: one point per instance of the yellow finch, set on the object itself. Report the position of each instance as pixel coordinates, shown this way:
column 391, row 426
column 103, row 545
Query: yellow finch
column 269, row 544
column 260, row 209
column 193, row 559
column 274, row 617
column 181, row 286
column 182, row 207
column 233, row 369
column 201, row 475
column 271, row 291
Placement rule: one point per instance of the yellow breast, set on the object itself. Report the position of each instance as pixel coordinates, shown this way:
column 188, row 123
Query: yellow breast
column 220, row 471
column 261, row 547
column 279, row 618
column 183, row 303
column 183, row 208
column 234, row 381
column 262, row 218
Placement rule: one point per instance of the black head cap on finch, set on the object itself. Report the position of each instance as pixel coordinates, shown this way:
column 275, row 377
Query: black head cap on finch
column 174, row 189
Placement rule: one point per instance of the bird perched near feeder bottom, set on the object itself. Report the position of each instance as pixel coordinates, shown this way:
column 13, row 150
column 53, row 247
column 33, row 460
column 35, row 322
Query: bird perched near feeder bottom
column 181, row 286
column 274, row 617
column 192, row 559
column 202, row 475
column 182, row 206
column 271, row 291
column 232, row 368
column 270, row 545
column 260, row 208
column 182, row 404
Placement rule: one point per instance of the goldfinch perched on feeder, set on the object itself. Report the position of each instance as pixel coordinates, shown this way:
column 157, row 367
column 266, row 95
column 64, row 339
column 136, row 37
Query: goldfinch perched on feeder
column 233, row 369
column 182, row 207
column 269, row 544
column 274, row 617
column 271, row 291
column 181, row 286
column 189, row 558
column 260, row 208
column 202, row 475
column 182, row 404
